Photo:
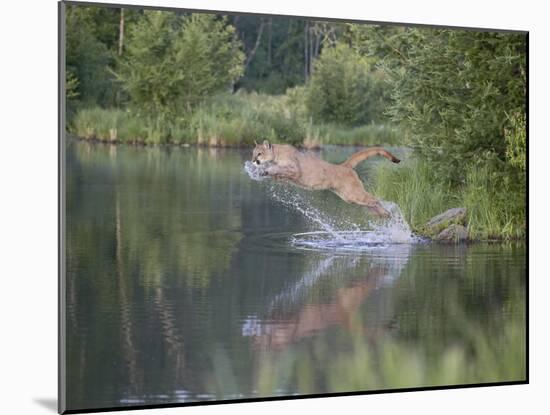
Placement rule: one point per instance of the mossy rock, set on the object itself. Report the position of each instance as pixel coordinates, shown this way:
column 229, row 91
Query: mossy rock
column 453, row 234
column 454, row 216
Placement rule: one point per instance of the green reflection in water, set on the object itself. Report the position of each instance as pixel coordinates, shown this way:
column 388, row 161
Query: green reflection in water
column 182, row 286
column 460, row 323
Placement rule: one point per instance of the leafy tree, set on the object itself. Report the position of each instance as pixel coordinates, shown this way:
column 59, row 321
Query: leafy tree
column 104, row 24
column 71, row 86
column 281, row 51
column 86, row 60
column 171, row 62
column 278, row 61
column 516, row 140
column 376, row 42
column 344, row 89
column 453, row 90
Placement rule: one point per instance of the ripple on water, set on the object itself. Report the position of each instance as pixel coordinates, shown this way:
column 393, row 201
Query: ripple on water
column 346, row 242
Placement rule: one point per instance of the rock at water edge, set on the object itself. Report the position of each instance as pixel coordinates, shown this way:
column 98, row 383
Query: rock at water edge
column 454, row 233
column 438, row 223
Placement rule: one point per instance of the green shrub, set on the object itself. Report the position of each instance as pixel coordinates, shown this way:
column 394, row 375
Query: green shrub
column 516, row 140
column 88, row 81
column 343, row 88
column 452, row 91
column 171, row 62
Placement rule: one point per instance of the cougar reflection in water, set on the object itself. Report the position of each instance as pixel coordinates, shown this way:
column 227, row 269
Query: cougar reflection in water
column 305, row 169
column 296, row 314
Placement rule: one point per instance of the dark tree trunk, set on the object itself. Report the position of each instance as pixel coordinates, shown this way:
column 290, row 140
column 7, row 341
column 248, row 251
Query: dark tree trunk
column 255, row 48
column 120, row 48
column 317, row 42
column 286, row 55
column 236, row 36
column 310, row 60
column 270, row 38
column 306, row 63
column 121, row 33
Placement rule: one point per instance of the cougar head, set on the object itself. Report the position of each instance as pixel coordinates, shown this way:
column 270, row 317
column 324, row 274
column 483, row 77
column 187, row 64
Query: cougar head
column 263, row 153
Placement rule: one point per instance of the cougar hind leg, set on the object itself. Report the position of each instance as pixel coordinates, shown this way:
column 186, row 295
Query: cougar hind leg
column 361, row 197
column 366, row 199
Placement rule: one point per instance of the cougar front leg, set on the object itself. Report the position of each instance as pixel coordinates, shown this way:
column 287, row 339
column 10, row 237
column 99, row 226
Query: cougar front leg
column 278, row 172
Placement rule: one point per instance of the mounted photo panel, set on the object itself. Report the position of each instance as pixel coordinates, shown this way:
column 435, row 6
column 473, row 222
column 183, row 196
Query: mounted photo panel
column 258, row 207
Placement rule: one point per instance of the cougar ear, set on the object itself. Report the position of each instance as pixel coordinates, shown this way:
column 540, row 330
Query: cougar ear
column 255, row 142
column 267, row 144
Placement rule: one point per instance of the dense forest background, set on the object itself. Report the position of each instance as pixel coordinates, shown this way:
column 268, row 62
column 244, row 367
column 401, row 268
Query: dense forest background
column 456, row 97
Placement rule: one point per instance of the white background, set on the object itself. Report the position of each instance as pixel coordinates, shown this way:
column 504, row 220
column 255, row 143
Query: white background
column 28, row 228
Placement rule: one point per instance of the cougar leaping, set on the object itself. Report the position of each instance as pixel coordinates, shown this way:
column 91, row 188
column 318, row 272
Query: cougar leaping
column 304, row 169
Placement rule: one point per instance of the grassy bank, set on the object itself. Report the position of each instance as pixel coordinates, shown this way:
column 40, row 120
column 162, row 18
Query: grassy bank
column 495, row 207
column 495, row 203
column 226, row 120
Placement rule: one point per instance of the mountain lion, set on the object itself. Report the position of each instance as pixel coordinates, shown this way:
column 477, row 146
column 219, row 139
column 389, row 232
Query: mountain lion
column 284, row 162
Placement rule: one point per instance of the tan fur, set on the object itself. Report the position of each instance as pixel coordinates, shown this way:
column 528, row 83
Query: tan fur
column 304, row 169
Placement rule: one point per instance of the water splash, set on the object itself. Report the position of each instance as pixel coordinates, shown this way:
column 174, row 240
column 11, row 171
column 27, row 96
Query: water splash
column 343, row 234
column 292, row 199
column 395, row 229
column 254, row 171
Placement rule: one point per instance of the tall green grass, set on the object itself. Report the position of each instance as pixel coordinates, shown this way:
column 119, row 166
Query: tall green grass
column 414, row 188
column 112, row 125
column 369, row 134
column 227, row 120
column 495, row 207
column 242, row 118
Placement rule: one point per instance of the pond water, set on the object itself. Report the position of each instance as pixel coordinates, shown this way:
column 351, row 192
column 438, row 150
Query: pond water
column 188, row 281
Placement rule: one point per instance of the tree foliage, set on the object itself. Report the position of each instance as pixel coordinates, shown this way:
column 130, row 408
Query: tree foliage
column 285, row 50
column 452, row 91
column 344, row 89
column 171, row 63
column 458, row 95
column 87, row 60
column 516, row 140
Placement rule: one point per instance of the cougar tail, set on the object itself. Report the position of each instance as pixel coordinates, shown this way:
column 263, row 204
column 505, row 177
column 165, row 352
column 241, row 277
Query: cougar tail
column 358, row 157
